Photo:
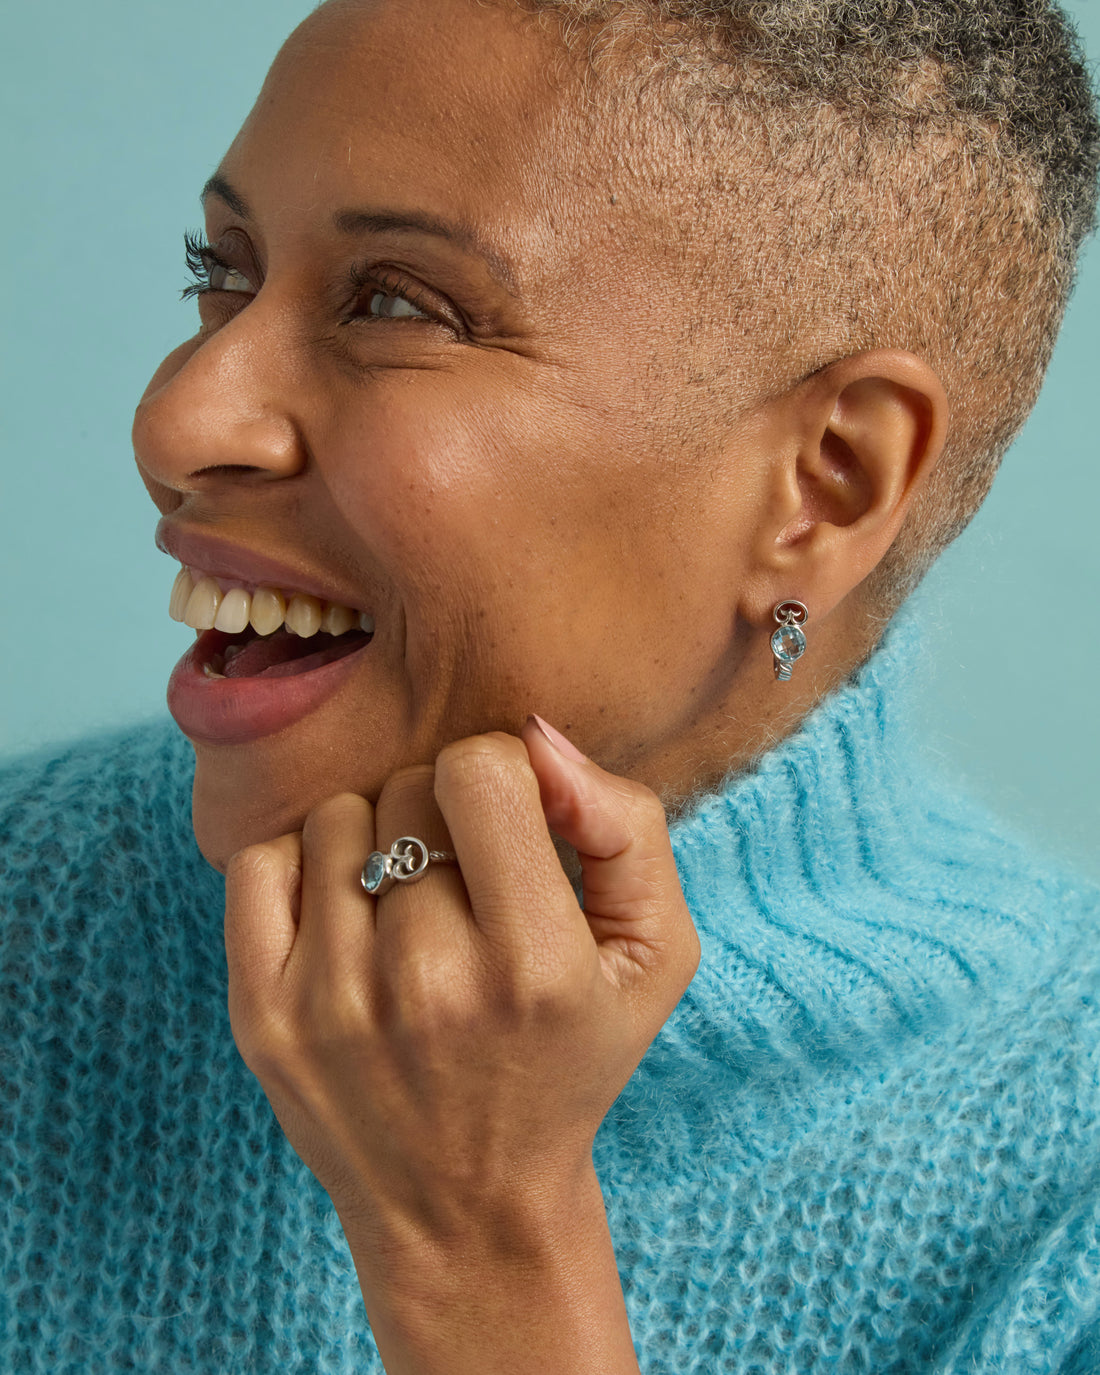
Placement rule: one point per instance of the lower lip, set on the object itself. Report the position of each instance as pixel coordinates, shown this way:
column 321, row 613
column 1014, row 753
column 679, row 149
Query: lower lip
column 235, row 711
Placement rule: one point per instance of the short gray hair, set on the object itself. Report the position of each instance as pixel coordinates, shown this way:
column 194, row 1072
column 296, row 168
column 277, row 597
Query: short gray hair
column 938, row 160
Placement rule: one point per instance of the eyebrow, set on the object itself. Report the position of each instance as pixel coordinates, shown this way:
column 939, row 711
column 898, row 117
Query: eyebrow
column 354, row 222
column 218, row 186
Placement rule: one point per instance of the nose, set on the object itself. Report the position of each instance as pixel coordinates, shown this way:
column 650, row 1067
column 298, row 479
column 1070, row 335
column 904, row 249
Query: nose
column 217, row 411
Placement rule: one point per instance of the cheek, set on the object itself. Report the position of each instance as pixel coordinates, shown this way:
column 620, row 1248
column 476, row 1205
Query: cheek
column 434, row 482
column 542, row 522
column 474, row 449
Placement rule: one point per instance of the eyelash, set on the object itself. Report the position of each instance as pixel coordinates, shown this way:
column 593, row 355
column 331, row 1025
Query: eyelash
column 201, row 258
column 362, row 279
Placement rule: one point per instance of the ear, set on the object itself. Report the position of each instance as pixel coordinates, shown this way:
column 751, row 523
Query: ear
column 864, row 435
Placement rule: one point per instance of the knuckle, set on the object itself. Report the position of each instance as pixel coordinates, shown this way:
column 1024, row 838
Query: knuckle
column 426, row 1007
column 339, row 1018
column 541, row 984
column 646, row 805
column 687, row 950
column 472, row 763
column 261, row 1037
column 335, row 812
column 426, row 997
column 250, row 866
column 406, row 785
column 693, row 952
column 279, row 1039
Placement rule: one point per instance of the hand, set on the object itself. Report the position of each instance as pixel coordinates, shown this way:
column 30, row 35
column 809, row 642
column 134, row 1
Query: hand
column 442, row 1057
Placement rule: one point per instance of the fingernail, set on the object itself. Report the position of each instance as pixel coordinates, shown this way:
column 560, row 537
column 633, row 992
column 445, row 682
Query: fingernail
column 559, row 742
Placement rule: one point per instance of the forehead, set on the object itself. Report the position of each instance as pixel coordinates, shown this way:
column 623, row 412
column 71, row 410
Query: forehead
column 451, row 107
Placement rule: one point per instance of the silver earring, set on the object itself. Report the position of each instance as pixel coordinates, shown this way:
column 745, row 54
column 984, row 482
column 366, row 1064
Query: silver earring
column 788, row 641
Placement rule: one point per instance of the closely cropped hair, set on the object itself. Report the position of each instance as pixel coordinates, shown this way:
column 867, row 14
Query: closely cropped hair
column 916, row 174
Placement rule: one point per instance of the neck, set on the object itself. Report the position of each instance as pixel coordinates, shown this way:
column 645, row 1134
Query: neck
column 748, row 712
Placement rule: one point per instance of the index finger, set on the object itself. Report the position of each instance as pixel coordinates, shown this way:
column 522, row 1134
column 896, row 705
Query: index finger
column 489, row 797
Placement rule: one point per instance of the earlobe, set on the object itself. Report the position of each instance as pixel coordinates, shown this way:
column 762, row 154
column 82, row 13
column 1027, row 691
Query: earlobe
column 870, row 430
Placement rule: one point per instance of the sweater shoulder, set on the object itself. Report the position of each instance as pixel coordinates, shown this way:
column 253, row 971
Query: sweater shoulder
column 110, row 793
column 94, row 834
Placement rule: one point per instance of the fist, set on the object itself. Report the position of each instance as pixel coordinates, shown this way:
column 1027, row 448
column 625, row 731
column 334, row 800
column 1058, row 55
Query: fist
column 447, row 1051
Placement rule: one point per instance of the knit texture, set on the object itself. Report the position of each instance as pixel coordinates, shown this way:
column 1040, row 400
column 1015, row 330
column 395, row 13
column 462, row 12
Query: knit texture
column 868, row 1140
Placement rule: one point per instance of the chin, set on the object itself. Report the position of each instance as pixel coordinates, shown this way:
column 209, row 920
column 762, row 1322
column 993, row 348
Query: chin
column 245, row 796
column 223, row 825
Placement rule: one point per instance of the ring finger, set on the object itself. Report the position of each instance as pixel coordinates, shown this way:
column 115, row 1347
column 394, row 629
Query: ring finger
column 430, row 914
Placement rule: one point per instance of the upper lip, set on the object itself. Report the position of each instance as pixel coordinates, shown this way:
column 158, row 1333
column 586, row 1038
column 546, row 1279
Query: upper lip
column 219, row 559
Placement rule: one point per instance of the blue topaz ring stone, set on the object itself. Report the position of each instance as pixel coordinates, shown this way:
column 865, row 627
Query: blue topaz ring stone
column 788, row 640
column 407, row 862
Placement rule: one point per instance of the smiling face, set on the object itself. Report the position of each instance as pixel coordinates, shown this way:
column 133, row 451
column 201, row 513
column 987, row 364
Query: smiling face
column 427, row 387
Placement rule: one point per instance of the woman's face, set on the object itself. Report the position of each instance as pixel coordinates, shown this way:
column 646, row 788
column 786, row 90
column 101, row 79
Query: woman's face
column 427, row 386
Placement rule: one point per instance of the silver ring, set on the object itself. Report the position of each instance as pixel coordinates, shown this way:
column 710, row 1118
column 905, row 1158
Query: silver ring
column 407, row 862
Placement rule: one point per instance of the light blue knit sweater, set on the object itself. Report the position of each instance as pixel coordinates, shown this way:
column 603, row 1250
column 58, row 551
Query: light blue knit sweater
column 867, row 1141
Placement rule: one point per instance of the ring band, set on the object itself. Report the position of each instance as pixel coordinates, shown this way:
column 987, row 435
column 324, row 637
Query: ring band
column 407, row 862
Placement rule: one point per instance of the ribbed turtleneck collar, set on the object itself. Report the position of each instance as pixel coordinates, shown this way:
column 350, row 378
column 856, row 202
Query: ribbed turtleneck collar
column 840, row 893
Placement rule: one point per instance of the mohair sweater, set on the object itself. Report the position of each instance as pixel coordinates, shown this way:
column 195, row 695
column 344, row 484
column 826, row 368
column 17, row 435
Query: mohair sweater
column 866, row 1141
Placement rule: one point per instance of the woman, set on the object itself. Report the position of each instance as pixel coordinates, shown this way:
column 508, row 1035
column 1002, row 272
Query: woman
column 628, row 373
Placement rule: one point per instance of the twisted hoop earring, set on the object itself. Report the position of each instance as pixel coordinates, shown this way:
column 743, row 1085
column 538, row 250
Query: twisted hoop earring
column 788, row 641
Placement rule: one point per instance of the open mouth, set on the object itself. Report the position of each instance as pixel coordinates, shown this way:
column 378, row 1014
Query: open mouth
column 265, row 632
column 265, row 657
column 278, row 655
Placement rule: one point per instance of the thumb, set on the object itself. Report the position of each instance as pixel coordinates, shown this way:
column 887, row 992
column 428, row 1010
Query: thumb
column 632, row 895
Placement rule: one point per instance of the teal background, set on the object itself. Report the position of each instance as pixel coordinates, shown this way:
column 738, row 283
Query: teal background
column 113, row 114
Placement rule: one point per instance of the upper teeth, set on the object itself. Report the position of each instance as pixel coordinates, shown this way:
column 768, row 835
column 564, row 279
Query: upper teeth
column 201, row 604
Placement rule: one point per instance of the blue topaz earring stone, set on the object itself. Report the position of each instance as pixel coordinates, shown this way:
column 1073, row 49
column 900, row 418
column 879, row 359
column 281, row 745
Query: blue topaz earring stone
column 788, row 641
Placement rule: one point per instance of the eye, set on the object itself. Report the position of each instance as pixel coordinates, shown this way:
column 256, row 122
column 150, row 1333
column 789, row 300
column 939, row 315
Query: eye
column 211, row 271
column 388, row 305
column 222, row 277
column 384, row 293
